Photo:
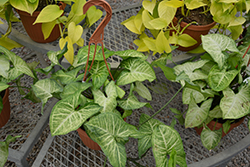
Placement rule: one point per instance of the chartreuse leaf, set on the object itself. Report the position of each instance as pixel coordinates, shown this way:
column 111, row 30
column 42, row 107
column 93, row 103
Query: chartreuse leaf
column 142, row 90
column 73, row 88
column 164, row 140
column 4, row 148
column 108, row 103
column 20, row 66
column 194, row 4
column 65, row 118
column 47, row 28
column 111, row 132
column 44, row 89
column 215, row 44
column 99, row 73
column 69, row 55
column 8, row 43
column 24, row 5
column 158, row 23
column 237, row 105
column 162, row 43
column 3, row 86
column 146, row 18
column 184, row 40
column 166, row 12
column 146, row 129
column 175, row 3
column 2, row 2
column 209, row 138
column 134, row 24
column 195, row 114
column 129, row 53
column 131, row 103
column 74, row 32
column 218, row 79
column 236, row 31
column 136, row 69
column 76, row 13
column 93, row 15
column 4, row 66
column 46, row 15
column 149, row 6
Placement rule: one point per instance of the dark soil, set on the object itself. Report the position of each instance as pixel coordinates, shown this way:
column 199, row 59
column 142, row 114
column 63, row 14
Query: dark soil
column 196, row 15
column 2, row 93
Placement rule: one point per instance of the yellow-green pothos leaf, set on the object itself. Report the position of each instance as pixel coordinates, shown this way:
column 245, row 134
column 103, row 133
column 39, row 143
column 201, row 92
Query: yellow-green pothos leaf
column 209, row 138
column 215, row 44
column 237, row 105
column 9, row 43
column 108, row 102
column 93, row 15
column 20, row 66
column 69, row 55
column 162, row 43
column 111, row 132
column 47, row 28
column 164, row 140
column 65, row 118
column 149, row 5
column 166, row 12
column 74, row 32
column 24, row 5
column 134, row 24
column 136, row 69
column 44, row 89
column 194, row 4
column 218, row 79
column 99, row 73
column 146, row 18
column 49, row 14
column 197, row 115
column 175, row 3
column 146, row 129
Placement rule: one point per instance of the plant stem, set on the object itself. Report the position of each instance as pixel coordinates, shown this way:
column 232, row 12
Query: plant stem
column 161, row 108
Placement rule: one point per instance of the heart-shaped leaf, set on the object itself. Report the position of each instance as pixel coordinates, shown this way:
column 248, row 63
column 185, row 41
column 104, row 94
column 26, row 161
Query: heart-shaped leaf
column 142, row 90
column 111, row 132
column 131, row 103
column 74, row 32
column 237, row 105
column 149, row 6
column 129, row 53
column 65, row 118
column 46, row 15
column 162, row 43
column 166, row 11
column 136, row 70
column 3, row 86
column 93, row 15
column 74, row 88
column 209, row 138
column 24, row 5
column 164, row 140
column 69, row 55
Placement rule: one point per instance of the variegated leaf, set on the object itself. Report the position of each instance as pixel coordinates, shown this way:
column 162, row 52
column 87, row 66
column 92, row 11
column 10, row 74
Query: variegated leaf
column 215, row 44
column 108, row 103
column 3, row 86
column 111, row 132
column 216, row 112
column 237, row 105
column 195, row 114
column 136, row 69
column 20, row 67
column 129, row 53
column 73, row 88
column 209, row 138
column 4, row 66
column 164, row 140
column 146, row 129
column 218, row 80
column 67, row 77
column 65, row 118
column 99, row 73
column 44, row 89
column 131, row 103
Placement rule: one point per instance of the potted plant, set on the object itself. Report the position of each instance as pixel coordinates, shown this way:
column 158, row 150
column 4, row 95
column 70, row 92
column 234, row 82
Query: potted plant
column 215, row 87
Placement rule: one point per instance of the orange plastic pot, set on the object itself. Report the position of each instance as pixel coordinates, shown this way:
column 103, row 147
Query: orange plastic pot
column 218, row 126
column 195, row 32
column 5, row 113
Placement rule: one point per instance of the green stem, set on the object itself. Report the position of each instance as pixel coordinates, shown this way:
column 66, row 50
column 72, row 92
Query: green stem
column 105, row 161
column 161, row 108
column 215, row 124
column 187, row 26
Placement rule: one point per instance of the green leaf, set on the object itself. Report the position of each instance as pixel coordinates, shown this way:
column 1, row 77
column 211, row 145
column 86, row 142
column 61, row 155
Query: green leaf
column 4, row 66
column 136, row 70
column 49, row 14
column 158, row 23
column 237, row 105
column 142, row 90
column 24, row 5
column 162, row 43
column 216, row 112
column 146, row 129
column 99, row 73
column 45, row 88
column 20, row 66
column 65, row 118
column 210, row 139
column 129, row 53
column 131, row 103
column 197, row 115
column 47, row 28
column 172, row 158
column 148, row 5
column 107, row 102
column 226, row 126
column 111, row 132
column 93, row 15
column 215, row 44
column 218, row 79
column 166, row 12
column 4, row 148
column 3, row 86
column 159, row 88
column 76, row 13
column 9, row 43
column 134, row 24
column 164, row 140
column 67, row 77
column 74, row 88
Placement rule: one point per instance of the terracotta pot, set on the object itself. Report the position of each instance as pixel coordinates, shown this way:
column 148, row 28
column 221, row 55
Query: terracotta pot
column 195, row 32
column 87, row 140
column 219, row 125
column 5, row 114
